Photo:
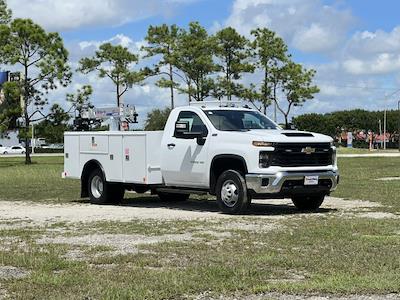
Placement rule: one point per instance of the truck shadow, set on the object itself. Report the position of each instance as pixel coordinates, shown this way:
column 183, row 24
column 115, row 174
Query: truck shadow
column 267, row 208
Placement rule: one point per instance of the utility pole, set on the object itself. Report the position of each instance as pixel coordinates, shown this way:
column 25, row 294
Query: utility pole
column 384, row 130
column 380, row 130
column 398, row 131
column 33, row 142
column 384, row 124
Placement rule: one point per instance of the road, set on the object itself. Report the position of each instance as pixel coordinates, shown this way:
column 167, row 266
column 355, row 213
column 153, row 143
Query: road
column 388, row 154
column 33, row 155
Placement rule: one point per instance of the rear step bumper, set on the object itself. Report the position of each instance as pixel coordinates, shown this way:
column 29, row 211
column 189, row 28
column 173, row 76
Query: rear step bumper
column 291, row 182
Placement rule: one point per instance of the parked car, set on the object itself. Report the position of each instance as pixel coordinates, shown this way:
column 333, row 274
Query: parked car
column 53, row 146
column 56, row 146
column 13, row 150
column 2, row 149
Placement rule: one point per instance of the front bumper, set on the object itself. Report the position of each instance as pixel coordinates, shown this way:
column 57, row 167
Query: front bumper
column 286, row 183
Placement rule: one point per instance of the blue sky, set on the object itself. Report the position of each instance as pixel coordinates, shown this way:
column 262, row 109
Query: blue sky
column 354, row 45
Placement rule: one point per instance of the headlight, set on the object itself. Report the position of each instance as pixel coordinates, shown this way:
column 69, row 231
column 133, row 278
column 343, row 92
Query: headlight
column 262, row 144
column 263, row 161
column 334, row 156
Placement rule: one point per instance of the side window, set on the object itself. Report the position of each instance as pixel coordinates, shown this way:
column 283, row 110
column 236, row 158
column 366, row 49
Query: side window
column 195, row 123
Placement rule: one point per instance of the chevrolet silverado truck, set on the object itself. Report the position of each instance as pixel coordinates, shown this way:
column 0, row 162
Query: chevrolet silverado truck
column 224, row 149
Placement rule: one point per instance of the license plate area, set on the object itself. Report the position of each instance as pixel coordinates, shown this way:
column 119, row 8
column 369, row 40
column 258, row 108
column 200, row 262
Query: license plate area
column 311, row 180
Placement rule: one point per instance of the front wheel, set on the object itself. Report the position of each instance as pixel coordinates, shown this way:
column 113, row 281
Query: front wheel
column 231, row 192
column 308, row 202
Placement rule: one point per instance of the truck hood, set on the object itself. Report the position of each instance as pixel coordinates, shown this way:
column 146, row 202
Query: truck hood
column 286, row 136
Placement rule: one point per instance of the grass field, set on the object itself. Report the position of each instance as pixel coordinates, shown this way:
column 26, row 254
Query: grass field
column 326, row 253
column 344, row 150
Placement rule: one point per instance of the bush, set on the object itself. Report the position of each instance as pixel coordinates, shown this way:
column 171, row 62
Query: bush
column 41, row 150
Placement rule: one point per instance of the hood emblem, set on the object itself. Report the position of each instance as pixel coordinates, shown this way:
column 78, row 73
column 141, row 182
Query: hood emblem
column 308, row 150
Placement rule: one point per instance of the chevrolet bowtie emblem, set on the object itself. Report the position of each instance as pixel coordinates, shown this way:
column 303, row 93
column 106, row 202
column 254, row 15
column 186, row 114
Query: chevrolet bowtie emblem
column 308, row 150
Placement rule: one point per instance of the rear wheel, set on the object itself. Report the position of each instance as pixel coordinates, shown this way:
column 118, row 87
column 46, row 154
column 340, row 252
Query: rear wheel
column 141, row 189
column 308, row 202
column 173, row 197
column 231, row 192
column 102, row 192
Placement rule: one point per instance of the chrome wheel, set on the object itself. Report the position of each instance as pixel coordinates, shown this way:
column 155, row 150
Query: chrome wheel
column 229, row 193
column 97, row 186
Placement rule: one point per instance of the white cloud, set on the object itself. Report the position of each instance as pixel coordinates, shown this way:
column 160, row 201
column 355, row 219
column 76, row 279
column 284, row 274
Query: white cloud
column 382, row 63
column 309, row 25
column 373, row 52
column 59, row 15
column 315, row 38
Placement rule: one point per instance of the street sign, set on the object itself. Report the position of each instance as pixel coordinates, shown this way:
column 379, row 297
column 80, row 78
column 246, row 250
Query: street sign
column 349, row 140
column 15, row 76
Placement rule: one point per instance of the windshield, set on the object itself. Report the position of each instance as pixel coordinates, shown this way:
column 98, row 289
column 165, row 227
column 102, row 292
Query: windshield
column 239, row 120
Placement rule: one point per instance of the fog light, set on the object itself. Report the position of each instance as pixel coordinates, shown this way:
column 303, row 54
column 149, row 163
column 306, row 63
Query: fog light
column 264, row 181
column 264, row 159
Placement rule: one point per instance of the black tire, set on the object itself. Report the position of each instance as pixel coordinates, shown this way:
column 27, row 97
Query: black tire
column 23, row 152
column 5, row 152
column 141, row 189
column 308, row 202
column 117, row 192
column 231, row 190
column 173, row 197
column 102, row 192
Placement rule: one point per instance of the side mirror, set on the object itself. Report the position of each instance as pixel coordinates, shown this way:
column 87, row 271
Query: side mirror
column 181, row 129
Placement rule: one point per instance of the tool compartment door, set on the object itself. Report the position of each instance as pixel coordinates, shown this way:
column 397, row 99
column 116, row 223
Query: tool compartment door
column 134, row 158
column 71, row 156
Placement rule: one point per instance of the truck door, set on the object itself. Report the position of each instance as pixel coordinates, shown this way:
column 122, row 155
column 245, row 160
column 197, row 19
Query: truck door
column 184, row 160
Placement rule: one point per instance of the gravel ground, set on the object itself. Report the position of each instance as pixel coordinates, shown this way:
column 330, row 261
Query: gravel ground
column 278, row 296
column 14, row 214
column 9, row 272
column 28, row 214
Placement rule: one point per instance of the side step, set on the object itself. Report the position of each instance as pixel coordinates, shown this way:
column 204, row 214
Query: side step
column 180, row 190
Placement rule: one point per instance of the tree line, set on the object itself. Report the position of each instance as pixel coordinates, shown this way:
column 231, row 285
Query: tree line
column 334, row 123
column 188, row 61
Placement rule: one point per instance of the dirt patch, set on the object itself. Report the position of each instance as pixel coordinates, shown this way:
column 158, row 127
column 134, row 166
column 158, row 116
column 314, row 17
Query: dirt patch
column 9, row 272
column 33, row 214
column 342, row 204
column 277, row 296
column 3, row 293
column 122, row 243
column 378, row 215
column 388, row 179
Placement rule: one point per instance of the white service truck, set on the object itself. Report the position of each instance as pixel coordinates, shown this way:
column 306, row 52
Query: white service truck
column 227, row 150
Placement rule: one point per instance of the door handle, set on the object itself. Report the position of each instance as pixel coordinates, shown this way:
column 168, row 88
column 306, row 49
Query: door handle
column 171, row 145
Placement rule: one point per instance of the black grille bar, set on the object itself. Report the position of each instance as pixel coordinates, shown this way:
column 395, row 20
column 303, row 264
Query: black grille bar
column 301, row 154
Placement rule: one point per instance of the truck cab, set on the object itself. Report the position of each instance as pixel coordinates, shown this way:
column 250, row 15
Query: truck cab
column 227, row 150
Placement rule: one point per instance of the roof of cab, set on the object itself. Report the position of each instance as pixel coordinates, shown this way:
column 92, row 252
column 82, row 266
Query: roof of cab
column 220, row 105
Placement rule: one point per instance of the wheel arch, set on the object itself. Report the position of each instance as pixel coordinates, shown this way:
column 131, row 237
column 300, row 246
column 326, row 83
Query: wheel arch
column 223, row 162
column 86, row 171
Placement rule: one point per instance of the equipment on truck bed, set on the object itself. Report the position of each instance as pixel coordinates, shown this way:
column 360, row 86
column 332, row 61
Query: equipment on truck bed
column 118, row 116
